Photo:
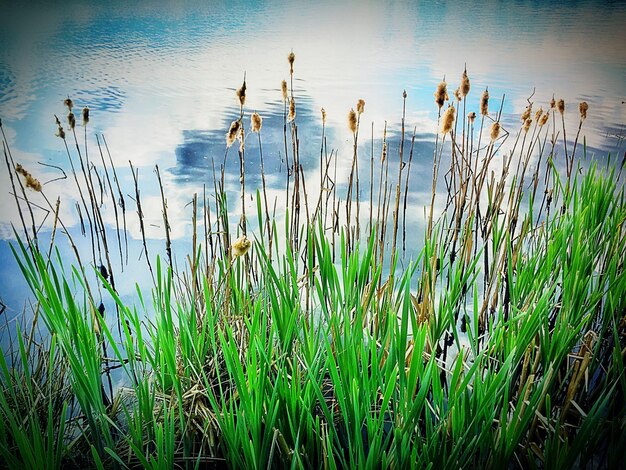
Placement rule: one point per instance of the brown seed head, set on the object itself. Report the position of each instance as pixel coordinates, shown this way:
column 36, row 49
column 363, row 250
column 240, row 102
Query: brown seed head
column 465, row 84
column 241, row 246
column 360, row 106
column 256, row 122
column 85, row 116
column 471, row 116
column 384, row 153
column 241, row 93
column 527, row 124
column 352, row 121
column 583, row 108
column 283, row 87
column 526, row 113
column 484, row 103
column 544, row 119
column 495, row 130
column 31, row 182
column 292, row 110
column 71, row 120
column 323, row 116
column 552, row 103
column 69, row 103
column 291, row 58
column 538, row 114
column 561, row 106
column 448, row 120
column 457, row 94
column 60, row 132
column 232, row 133
column 441, row 94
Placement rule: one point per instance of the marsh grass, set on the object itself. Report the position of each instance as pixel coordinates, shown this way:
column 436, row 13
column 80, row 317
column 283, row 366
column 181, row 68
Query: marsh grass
column 500, row 345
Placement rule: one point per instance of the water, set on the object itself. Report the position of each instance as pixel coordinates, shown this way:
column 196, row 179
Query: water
column 160, row 78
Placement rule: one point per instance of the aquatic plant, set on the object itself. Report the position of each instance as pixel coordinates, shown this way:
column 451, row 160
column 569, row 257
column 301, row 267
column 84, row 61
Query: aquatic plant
column 307, row 344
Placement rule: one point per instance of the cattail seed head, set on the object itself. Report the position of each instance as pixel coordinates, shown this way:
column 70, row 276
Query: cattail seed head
column 552, row 103
column 465, row 84
column 69, row 103
column 384, row 153
column 583, row 107
column 526, row 113
column 241, row 246
column 441, row 94
column 60, row 132
column 471, row 116
column 71, row 120
column 352, row 121
column 241, row 93
column 283, row 87
column 360, row 106
column 85, row 116
column 292, row 110
column 241, row 138
column 527, row 124
column 457, row 94
column 561, row 106
column 291, row 58
column 31, row 182
column 538, row 114
column 544, row 119
column 448, row 120
column 495, row 130
column 232, row 133
column 484, row 103
column 323, row 116
column 256, row 122
column 404, row 94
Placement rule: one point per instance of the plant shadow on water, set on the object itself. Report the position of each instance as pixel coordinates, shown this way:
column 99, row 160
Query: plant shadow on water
column 302, row 337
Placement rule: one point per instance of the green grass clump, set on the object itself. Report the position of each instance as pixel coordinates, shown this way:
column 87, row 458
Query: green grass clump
column 501, row 344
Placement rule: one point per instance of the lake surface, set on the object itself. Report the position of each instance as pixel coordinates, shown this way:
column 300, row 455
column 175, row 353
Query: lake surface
column 160, row 80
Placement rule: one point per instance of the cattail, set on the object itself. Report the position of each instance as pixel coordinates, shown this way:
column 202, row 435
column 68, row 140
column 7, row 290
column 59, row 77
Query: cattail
column 60, row 132
column 465, row 84
column 360, row 106
column 538, row 114
column 447, row 121
column 352, row 121
column 292, row 110
column 31, row 182
column 256, row 122
column 291, row 57
column 71, row 120
column 232, row 133
column 323, row 116
column 441, row 95
column 526, row 113
column 583, row 107
column 384, row 153
column 527, row 124
column 495, row 130
column 471, row 116
column 544, row 119
column 404, row 94
column 69, row 103
column 552, row 103
column 241, row 138
column 484, row 103
column 241, row 93
column 283, row 87
column 85, row 116
column 457, row 94
column 561, row 106
column 241, row 246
